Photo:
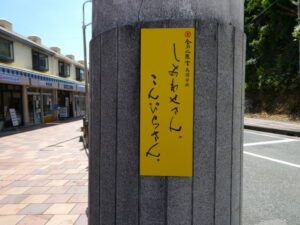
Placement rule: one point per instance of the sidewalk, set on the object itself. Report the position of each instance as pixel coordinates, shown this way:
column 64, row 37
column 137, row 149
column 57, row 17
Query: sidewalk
column 22, row 129
column 278, row 127
column 44, row 177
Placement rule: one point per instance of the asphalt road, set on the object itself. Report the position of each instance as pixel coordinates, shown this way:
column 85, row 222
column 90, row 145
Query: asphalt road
column 271, row 186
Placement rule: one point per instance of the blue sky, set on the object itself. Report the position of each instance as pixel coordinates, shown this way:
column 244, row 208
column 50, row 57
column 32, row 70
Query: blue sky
column 57, row 22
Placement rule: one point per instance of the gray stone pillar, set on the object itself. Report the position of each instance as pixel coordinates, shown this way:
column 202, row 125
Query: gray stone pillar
column 117, row 193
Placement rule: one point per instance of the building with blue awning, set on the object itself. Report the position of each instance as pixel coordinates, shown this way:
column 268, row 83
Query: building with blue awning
column 38, row 83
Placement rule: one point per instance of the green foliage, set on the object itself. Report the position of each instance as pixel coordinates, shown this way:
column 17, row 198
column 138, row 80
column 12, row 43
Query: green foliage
column 272, row 45
column 296, row 32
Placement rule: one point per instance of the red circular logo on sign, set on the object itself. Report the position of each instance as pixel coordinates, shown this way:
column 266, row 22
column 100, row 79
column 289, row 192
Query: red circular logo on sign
column 187, row 34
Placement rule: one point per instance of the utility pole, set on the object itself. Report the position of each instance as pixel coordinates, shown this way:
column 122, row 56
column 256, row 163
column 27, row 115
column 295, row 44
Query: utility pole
column 129, row 38
column 299, row 38
column 86, row 77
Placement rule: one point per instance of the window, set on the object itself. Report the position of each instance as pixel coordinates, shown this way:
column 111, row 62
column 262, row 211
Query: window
column 79, row 74
column 6, row 50
column 39, row 61
column 64, row 69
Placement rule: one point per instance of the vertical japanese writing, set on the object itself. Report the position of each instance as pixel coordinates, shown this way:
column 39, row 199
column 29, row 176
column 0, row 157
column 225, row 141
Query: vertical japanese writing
column 153, row 99
column 174, row 97
column 187, row 57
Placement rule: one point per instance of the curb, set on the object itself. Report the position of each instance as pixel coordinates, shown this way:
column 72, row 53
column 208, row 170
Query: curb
column 273, row 130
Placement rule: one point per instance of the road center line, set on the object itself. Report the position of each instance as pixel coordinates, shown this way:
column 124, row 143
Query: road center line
column 273, row 160
column 269, row 142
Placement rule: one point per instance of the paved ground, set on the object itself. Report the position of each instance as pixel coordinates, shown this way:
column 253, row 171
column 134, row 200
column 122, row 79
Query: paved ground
column 43, row 177
column 271, row 179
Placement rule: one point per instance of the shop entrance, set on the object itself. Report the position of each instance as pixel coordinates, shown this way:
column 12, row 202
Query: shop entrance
column 79, row 105
column 48, row 104
column 34, row 108
column 65, row 104
column 10, row 98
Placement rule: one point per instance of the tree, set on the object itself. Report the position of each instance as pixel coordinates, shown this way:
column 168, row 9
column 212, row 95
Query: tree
column 272, row 46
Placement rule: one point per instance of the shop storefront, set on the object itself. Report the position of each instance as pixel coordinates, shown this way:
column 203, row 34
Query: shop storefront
column 36, row 99
column 65, row 100
column 46, row 90
column 34, row 106
column 10, row 98
column 79, row 101
column 48, row 105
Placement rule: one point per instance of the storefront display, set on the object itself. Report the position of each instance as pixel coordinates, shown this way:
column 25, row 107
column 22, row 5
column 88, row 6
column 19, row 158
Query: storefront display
column 41, row 105
column 10, row 98
column 65, row 104
column 29, row 98
column 34, row 106
column 79, row 105
column 48, row 105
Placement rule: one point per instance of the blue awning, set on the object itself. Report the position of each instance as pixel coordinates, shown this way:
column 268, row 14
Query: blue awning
column 34, row 75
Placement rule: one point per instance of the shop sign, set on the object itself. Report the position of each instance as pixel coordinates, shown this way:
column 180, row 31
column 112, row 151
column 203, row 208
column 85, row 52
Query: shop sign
column 56, row 106
column 63, row 112
column 167, row 102
column 42, row 83
column 46, row 84
column 13, row 116
column 68, row 87
column 10, row 78
column 81, row 88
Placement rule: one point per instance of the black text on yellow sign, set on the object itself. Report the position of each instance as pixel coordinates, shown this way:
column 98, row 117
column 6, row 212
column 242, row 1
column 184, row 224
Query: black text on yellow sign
column 167, row 99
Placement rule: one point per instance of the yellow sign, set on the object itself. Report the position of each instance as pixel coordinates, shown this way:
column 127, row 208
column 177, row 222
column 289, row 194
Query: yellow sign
column 167, row 102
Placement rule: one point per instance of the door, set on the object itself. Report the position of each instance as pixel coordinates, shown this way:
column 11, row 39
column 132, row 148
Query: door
column 35, row 110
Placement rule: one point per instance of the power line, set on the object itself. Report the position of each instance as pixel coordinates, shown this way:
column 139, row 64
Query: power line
column 265, row 10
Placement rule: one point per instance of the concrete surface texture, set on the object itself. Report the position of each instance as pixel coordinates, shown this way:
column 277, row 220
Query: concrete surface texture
column 43, row 177
column 109, row 14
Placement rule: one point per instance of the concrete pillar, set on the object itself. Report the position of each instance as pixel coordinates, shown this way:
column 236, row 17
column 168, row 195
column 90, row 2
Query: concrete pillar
column 117, row 193
column 25, row 105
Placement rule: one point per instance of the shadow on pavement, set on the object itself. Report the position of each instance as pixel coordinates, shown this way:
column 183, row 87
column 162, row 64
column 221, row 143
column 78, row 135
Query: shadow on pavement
column 35, row 127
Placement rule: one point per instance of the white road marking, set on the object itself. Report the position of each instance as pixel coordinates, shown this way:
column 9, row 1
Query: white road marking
column 273, row 160
column 269, row 142
column 263, row 134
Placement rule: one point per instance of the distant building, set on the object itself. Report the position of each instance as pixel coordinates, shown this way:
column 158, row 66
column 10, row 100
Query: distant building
column 37, row 84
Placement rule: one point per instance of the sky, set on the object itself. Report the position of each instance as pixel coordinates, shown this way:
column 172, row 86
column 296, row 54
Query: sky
column 56, row 22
